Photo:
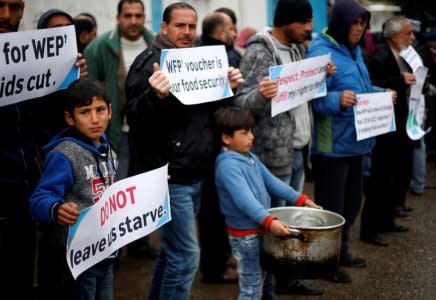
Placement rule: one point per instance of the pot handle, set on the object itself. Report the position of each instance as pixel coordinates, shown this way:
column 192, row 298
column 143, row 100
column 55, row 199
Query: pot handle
column 295, row 233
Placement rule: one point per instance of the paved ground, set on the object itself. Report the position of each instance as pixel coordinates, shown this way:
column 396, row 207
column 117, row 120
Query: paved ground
column 404, row 270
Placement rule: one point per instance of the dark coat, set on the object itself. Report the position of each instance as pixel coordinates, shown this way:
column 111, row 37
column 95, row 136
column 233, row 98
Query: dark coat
column 384, row 72
column 166, row 131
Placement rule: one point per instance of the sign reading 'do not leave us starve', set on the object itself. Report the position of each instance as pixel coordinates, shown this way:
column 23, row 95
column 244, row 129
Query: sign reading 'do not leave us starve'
column 197, row 75
column 128, row 210
column 36, row 63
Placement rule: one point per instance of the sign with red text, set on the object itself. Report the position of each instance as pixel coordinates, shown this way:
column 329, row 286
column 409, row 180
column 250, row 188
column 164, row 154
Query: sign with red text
column 197, row 75
column 299, row 81
column 36, row 63
column 128, row 210
column 374, row 115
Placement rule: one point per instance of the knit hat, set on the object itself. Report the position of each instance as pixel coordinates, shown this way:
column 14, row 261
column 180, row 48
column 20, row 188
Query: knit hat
column 45, row 17
column 291, row 11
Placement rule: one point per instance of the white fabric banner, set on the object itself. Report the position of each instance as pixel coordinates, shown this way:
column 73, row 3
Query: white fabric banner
column 36, row 63
column 128, row 210
column 197, row 75
column 374, row 115
column 299, row 81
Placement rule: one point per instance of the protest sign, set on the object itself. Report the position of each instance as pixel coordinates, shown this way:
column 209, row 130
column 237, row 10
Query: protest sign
column 128, row 210
column 36, row 63
column 299, row 81
column 412, row 58
column 197, row 75
column 416, row 114
column 374, row 115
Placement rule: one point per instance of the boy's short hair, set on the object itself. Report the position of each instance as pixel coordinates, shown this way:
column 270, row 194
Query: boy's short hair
column 81, row 92
column 232, row 118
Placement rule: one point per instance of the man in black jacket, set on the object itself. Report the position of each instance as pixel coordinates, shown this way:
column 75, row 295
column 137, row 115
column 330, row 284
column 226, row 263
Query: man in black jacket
column 163, row 130
column 391, row 160
column 19, row 173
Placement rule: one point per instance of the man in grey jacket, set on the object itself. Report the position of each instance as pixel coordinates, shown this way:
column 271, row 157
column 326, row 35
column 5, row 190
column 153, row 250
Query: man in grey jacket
column 279, row 140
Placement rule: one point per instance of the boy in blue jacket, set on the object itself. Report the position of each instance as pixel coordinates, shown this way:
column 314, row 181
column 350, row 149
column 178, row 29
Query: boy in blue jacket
column 244, row 187
column 80, row 165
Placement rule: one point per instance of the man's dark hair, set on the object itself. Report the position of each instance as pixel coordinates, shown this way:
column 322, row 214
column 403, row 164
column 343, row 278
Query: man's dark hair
column 82, row 25
column 232, row 118
column 228, row 12
column 166, row 17
column 121, row 3
column 89, row 16
column 211, row 22
column 81, row 92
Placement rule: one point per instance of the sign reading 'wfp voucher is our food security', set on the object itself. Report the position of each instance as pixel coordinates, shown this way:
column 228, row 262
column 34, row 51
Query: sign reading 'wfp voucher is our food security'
column 36, row 63
column 299, row 81
column 374, row 115
column 128, row 210
column 197, row 75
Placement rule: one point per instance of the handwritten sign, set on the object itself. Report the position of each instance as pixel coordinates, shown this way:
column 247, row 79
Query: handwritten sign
column 299, row 82
column 374, row 115
column 128, row 210
column 36, row 63
column 197, row 75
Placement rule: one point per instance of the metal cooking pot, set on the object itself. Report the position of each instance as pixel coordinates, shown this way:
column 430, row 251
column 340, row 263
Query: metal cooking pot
column 311, row 251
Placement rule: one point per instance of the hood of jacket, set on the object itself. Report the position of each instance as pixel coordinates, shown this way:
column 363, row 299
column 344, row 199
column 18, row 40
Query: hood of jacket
column 72, row 134
column 344, row 13
column 226, row 154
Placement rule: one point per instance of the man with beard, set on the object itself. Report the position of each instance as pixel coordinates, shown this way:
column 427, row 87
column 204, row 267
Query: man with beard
column 391, row 160
column 163, row 130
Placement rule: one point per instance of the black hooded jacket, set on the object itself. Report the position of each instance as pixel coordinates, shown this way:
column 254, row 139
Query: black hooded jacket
column 164, row 130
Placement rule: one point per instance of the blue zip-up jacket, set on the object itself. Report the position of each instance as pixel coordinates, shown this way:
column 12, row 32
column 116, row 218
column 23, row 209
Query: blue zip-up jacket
column 75, row 170
column 334, row 130
column 244, row 187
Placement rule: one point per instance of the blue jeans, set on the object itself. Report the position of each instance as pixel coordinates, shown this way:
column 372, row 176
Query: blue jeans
column 96, row 283
column 179, row 256
column 417, row 181
column 246, row 250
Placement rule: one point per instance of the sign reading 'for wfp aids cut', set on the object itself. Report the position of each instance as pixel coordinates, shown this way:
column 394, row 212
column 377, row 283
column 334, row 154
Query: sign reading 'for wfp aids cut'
column 36, row 63
column 128, row 210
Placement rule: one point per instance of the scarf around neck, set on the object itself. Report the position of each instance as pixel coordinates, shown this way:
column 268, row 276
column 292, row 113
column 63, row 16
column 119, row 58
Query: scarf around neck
column 162, row 42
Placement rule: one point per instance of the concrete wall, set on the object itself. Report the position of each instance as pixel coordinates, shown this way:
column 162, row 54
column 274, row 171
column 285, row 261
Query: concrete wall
column 250, row 12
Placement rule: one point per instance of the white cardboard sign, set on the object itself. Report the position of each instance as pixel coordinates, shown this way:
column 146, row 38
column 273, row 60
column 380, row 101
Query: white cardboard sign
column 197, row 75
column 128, row 210
column 36, row 63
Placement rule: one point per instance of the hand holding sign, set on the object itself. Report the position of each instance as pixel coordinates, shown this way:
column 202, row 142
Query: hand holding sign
column 347, row 99
column 331, row 68
column 68, row 213
column 409, row 78
column 268, row 88
column 81, row 64
column 159, row 82
column 235, row 77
